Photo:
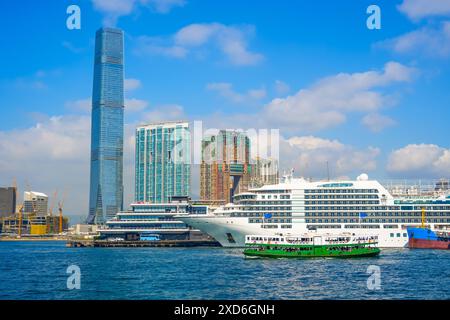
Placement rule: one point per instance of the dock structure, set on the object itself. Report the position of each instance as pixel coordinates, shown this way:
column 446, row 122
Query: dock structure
column 140, row 244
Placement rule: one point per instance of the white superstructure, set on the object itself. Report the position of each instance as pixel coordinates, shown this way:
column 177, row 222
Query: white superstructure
column 361, row 207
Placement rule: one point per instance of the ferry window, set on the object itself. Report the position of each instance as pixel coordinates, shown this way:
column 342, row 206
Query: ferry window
column 392, row 235
column 398, row 235
column 405, row 234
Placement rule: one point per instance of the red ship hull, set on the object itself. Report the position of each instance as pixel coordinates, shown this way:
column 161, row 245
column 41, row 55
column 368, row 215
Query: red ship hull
column 428, row 244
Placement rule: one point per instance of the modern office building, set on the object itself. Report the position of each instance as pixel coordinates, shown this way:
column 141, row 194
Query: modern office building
column 35, row 203
column 7, row 201
column 163, row 157
column 225, row 168
column 106, row 180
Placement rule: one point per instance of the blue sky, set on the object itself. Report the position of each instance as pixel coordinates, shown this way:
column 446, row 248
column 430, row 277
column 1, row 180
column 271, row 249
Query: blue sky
column 365, row 100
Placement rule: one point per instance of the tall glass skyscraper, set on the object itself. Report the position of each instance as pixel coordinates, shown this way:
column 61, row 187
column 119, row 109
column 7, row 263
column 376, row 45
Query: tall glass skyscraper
column 163, row 155
column 106, row 186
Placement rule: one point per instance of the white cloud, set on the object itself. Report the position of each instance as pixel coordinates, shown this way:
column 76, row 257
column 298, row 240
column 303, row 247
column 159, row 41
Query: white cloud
column 169, row 112
column 308, row 143
column 377, row 122
column 36, row 81
column 326, row 103
column 419, row 9
column 114, row 9
column 281, row 87
column 420, row 161
column 135, row 105
column 59, row 138
column 159, row 46
column 430, row 40
column 132, row 84
column 226, row 90
column 231, row 41
column 54, row 154
column 81, row 105
column 69, row 46
column 164, row 6
column 309, row 155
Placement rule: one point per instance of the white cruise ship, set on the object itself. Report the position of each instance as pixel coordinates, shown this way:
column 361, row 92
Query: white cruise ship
column 296, row 206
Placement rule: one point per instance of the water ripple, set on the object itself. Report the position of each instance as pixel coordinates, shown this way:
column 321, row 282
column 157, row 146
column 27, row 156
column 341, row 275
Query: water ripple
column 38, row 271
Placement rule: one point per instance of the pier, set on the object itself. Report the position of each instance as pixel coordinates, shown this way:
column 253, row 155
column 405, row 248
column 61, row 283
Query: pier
column 140, row 244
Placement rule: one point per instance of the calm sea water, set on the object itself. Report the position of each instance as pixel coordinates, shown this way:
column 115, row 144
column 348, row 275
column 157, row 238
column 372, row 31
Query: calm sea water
column 37, row 270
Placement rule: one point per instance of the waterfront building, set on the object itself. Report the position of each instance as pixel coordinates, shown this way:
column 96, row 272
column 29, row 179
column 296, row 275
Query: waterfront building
column 163, row 157
column 154, row 221
column 225, row 169
column 7, row 201
column 106, row 177
column 35, row 203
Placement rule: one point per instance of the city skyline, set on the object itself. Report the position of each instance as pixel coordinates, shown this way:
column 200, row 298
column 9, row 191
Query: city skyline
column 376, row 102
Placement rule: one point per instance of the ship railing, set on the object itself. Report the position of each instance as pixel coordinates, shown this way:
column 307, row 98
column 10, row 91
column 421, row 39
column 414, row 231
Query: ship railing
column 417, row 187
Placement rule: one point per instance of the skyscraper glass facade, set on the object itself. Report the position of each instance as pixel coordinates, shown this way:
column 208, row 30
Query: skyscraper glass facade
column 163, row 155
column 106, row 180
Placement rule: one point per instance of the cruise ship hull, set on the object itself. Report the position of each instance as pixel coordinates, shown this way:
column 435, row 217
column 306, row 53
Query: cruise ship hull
column 360, row 207
column 231, row 231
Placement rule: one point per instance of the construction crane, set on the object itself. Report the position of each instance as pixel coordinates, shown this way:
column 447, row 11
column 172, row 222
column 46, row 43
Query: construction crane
column 60, row 216
column 52, row 204
column 60, row 209
column 20, row 220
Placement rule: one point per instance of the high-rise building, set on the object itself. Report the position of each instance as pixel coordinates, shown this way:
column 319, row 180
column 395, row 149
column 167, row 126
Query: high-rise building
column 35, row 202
column 163, row 157
column 265, row 171
column 7, row 201
column 225, row 168
column 106, row 180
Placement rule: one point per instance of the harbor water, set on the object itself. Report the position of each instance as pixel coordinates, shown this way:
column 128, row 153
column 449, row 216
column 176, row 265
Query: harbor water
column 37, row 270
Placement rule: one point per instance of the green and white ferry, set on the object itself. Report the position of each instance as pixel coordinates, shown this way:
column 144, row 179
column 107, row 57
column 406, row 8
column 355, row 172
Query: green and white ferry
column 311, row 245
